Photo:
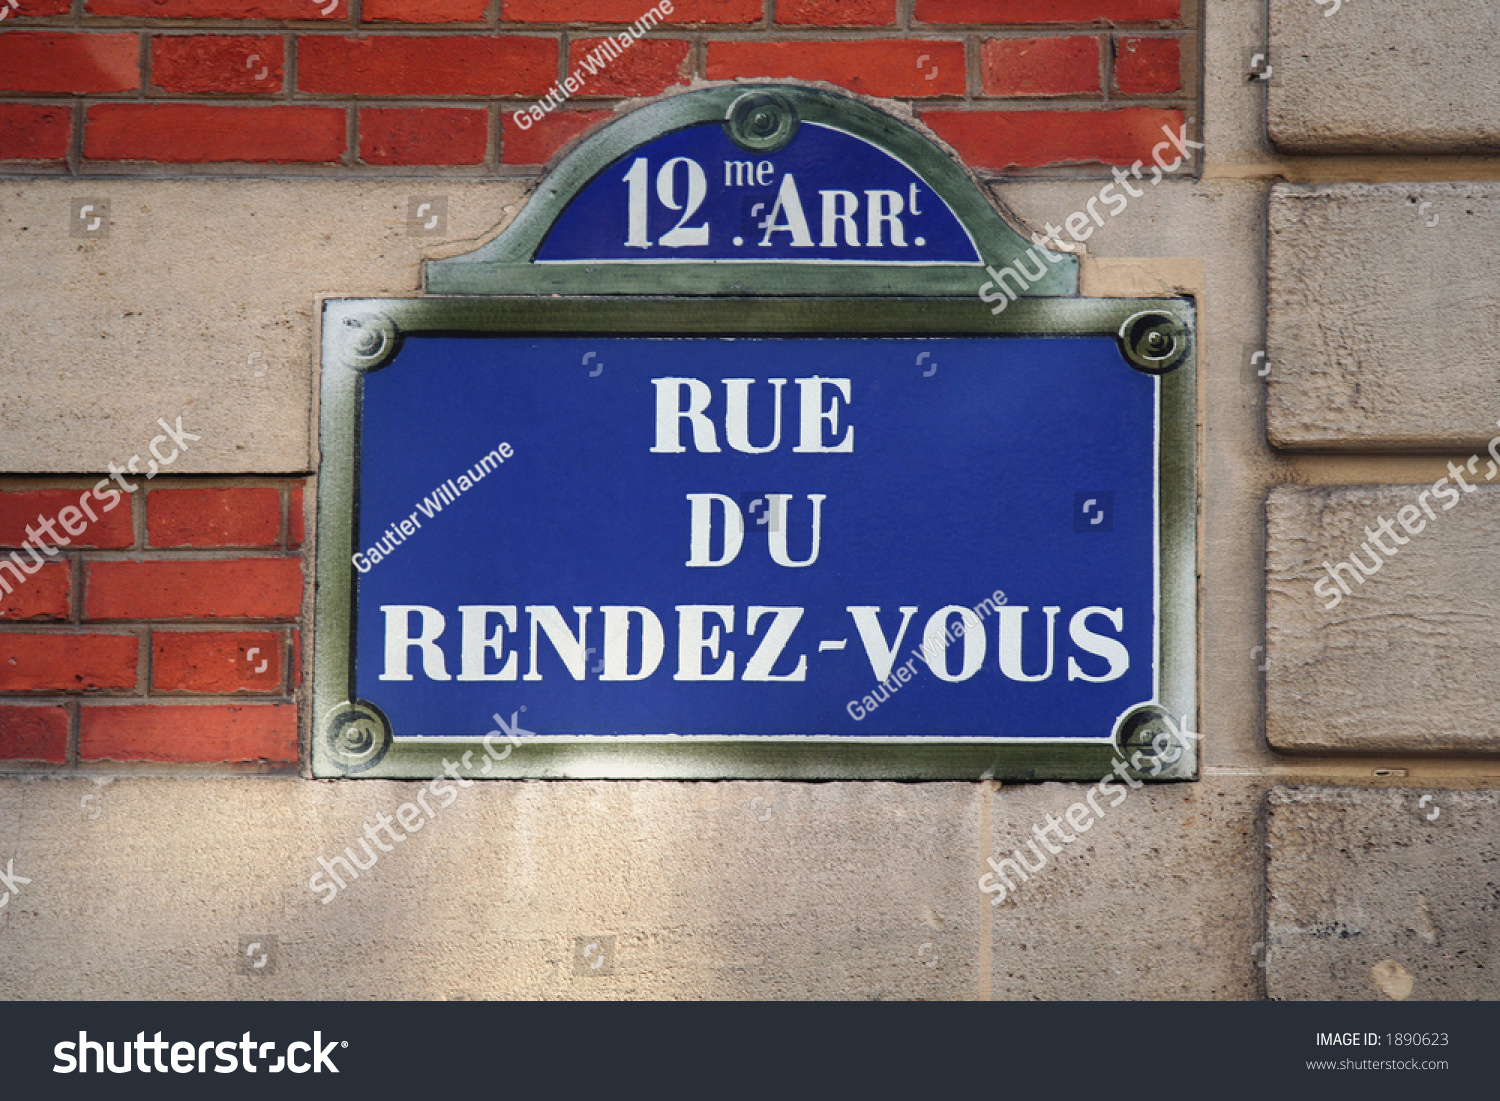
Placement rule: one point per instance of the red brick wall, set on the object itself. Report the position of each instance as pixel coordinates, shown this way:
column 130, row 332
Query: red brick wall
column 165, row 630
column 391, row 84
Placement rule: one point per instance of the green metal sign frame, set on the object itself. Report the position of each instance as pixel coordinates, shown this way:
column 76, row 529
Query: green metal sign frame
column 499, row 290
column 505, row 265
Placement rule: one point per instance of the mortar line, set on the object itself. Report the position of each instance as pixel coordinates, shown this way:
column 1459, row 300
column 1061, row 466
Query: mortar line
column 1361, row 169
column 1262, row 920
column 1312, row 469
column 986, row 991
column 1361, row 773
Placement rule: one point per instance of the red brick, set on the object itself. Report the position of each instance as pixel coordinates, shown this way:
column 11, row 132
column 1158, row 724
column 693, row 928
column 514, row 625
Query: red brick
column 197, row 134
column 1147, row 65
column 450, row 65
column 880, row 68
column 213, row 518
column 296, row 519
column 537, row 143
column 182, row 733
column 837, row 13
column 423, row 135
column 67, row 663
column 44, row 595
column 216, row 63
column 219, row 9
column 1041, row 66
column 69, row 62
column 34, row 734
column 650, row 66
column 36, row 9
column 424, row 11
column 245, row 588
column 216, row 661
column 999, row 140
column 628, row 11
column 29, row 133
column 1045, row 11
column 111, row 531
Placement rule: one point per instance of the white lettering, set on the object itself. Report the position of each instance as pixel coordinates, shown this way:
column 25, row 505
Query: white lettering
column 691, row 642
column 884, row 209
column 789, row 204
column 398, row 641
column 617, row 641
column 1111, row 650
column 670, row 413
column 777, row 635
column 476, row 642
column 1012, row 619
column 568, row 646
column 935, row 643
column 839, row 206
column 700, row 529
column 882, row 655
column 776, row 537
column 814, row 414
column 737, row 415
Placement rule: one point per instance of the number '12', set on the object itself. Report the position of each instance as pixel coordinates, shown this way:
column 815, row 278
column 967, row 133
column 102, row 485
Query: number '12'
column 681, row 234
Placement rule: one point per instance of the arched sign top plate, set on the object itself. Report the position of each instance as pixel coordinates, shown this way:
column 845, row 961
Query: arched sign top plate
column 762, row 189
column 694, row 196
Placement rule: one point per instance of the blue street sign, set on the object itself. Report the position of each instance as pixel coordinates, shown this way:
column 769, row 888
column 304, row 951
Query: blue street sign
column 948, row 537
column 717, row 464
column 695, row 196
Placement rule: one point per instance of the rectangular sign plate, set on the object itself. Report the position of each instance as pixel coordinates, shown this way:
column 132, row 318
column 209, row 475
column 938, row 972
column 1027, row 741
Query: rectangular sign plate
column 804, row 544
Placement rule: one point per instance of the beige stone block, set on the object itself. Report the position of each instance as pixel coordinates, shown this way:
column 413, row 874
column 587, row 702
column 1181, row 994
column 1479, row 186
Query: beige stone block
column 1156, row 899
column 1359, row 77
column 1383, row 316
column 200, row 302
column 1384, row 894
column 727, row 890
column 1405, row 661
